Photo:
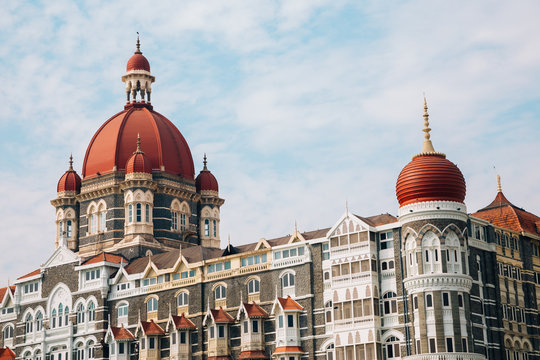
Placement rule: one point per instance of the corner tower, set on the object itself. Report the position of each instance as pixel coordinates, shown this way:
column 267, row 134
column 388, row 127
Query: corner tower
column 431, row 193
column 138, row 193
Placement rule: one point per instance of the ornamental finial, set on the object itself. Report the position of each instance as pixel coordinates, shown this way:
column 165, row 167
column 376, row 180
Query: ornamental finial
column 205, row 162
column 138, row 45
column 499, row 187
column 70, row 162
column 138, row 151
column 428, row 146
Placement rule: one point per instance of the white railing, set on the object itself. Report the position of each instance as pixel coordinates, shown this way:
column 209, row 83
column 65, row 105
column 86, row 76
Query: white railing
column 291, row 261
column 446, row 356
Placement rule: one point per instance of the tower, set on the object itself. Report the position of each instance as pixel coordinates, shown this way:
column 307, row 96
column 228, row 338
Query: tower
column 431, row 193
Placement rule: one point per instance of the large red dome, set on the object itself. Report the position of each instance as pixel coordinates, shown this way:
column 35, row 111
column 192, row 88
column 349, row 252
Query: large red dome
column 430, row 177
column 113, row 144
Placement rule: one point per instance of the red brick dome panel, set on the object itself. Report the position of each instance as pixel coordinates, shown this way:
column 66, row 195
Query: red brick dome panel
column 115, row 141
column 138, row 62
column 70, row 181
column 430, row 178
column 206, row 181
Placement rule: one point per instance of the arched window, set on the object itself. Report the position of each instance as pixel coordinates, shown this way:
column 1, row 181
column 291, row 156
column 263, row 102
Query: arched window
column 138, row 214
column 80, row 351
column 39, row 321
column 253, row 286
column 28, row 324
column 8, row 332
column 91, row 311
column 390, row 302
column 60, row 229
column 384, row 265
column 206, row 227
column 174, row 220
column 182, row 299
column 130, row 213
column 103, row 220
column 152, row 305
column 429, row 300
column 37, row 355
column 60, row 315
column 27, row 355
column 91, row 350
column 93, row 223
column 330, row 352
column 392, row 347
column 220, row 292
column 80, row 314
column 53, row 318
column 66, row 316
column 328, row 311
column 287, row 280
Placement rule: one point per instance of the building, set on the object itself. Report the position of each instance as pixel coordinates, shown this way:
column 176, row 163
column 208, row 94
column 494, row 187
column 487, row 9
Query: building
column 138, row 271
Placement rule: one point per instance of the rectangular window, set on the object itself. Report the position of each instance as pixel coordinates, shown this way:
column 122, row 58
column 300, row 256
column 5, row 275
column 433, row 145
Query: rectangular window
column 415, row 302
column 290, row 320
column 219, row 267
column 151, row 343
column 285, row 254
column 246, row 326
column 143, row 343
column 191, row 273
column 449, row 345
column 432, row 347
column 139, row 212
column 211, row 332
column 460, row 300
column 147, row 213
column 183, row 337
column 255, row 326
column 446, row 299
column 227, row 265
column 121, row 347
column 280, row 320
column 221, row 331
column 173, row 338
column 174, row 220
column 429, row 300
column 464, row 344
column 211, row 268
column 293, row 252
column 301, row 251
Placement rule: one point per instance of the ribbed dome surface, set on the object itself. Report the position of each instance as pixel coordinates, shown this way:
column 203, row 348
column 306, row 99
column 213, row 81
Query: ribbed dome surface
column 206, row 181
column 70, row 181
column 138, row 62
column 430, row 178
column 112, row 145
column 138, row 163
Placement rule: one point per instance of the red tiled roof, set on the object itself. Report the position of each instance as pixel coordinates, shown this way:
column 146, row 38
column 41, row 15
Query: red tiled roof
column 378, row 220
column 105, row 257
column 183, row 323
column 289, row 350
column 33, row 273
column 219, row 357
column 255, row 311
column 503, row 213
column 3, row 291
column 254, row 354
column 221, row 315
column 289, row 304
column 121, row 333
column 6, row 353
column 151, row 328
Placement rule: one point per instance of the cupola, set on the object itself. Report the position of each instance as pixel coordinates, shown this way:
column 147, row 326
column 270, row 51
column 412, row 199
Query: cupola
column 206, row 181
column 138, row 78
column 70, row 181
column 138, row 163
column 430, row 176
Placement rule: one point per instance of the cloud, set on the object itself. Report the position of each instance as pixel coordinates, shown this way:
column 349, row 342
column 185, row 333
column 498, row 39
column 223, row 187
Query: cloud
column 300, row 105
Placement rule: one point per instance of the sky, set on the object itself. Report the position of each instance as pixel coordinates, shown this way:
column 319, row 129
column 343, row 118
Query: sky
column 300, row 105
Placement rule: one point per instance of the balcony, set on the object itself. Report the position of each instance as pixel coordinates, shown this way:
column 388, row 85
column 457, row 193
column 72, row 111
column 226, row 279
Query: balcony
column 446, row 356
column 441, row 281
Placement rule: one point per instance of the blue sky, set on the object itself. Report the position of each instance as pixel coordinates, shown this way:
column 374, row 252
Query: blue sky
column 300, row 105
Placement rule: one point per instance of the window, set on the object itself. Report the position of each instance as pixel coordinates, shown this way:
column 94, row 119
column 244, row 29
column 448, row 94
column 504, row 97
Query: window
column 8, row 332
column 122, row 286
column 92, row 275
column 182, row 221
column 464, row 344
column 390, row 303
column 432, row 347
column 386, row 240
column 325, row 251
column 219, row 266
column 182, row 299
column 287, row 280
column 246, row 326
column 280, row 321
column 80, row 314
column 123, row 310
column 460, row 300
column 130, row 213
column 28, row 324
column 290, row 320
column 206, row 227
column 220, row 292
column 152, row 305
column 102, row 221
column 392, row 347
column 253, row 286
column 328, row 311
column 69, row 228
column 215, row 227
column 183, row 337
column 253, row 260
column 93, row 223
column 446, row 299
column 39, row 321
column 147, row 213
column 91, row 311
column 212, row 332
column 138, row 213
column 449, row 345
column 174, row 220
column 415, row 302
column 151, row 343
column 121, row 348
column 429, row 300
column 150, row 281
column 221, row 331
column 255, row 326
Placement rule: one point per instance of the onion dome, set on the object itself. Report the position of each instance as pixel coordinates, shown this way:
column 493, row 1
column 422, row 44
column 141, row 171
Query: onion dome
column 138, row 61
column 112, row 145
column 206, row 181
column 430, row 176
column 138, row 162
column 70, row 181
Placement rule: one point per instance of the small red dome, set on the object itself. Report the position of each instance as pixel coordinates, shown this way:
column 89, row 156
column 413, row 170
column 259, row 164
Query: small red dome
column 206, row 180
column 138, row 62
column 430, row 177
column 112, row 145
column 138, row 163
column 70, row 181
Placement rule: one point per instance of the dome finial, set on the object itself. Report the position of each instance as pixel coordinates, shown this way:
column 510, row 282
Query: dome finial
column 138, row 45
column 70, row 162
column 204, row 163
column 499, row 187
column 138, row 151
column 428, row 146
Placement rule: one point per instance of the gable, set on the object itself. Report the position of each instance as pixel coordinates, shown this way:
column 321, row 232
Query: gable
column 61, row 256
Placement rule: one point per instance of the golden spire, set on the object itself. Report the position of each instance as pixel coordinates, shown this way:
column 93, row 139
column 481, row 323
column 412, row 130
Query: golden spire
column 70, row 162
column 499, row 188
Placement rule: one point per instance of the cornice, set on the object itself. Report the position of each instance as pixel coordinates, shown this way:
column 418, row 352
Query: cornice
column 430, row 282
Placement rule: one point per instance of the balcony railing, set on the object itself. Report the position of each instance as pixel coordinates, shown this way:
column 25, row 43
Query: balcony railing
column 446, row 356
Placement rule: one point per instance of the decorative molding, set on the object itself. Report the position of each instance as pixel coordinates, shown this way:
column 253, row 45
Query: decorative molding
column 443, row 281
column 433, row 210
